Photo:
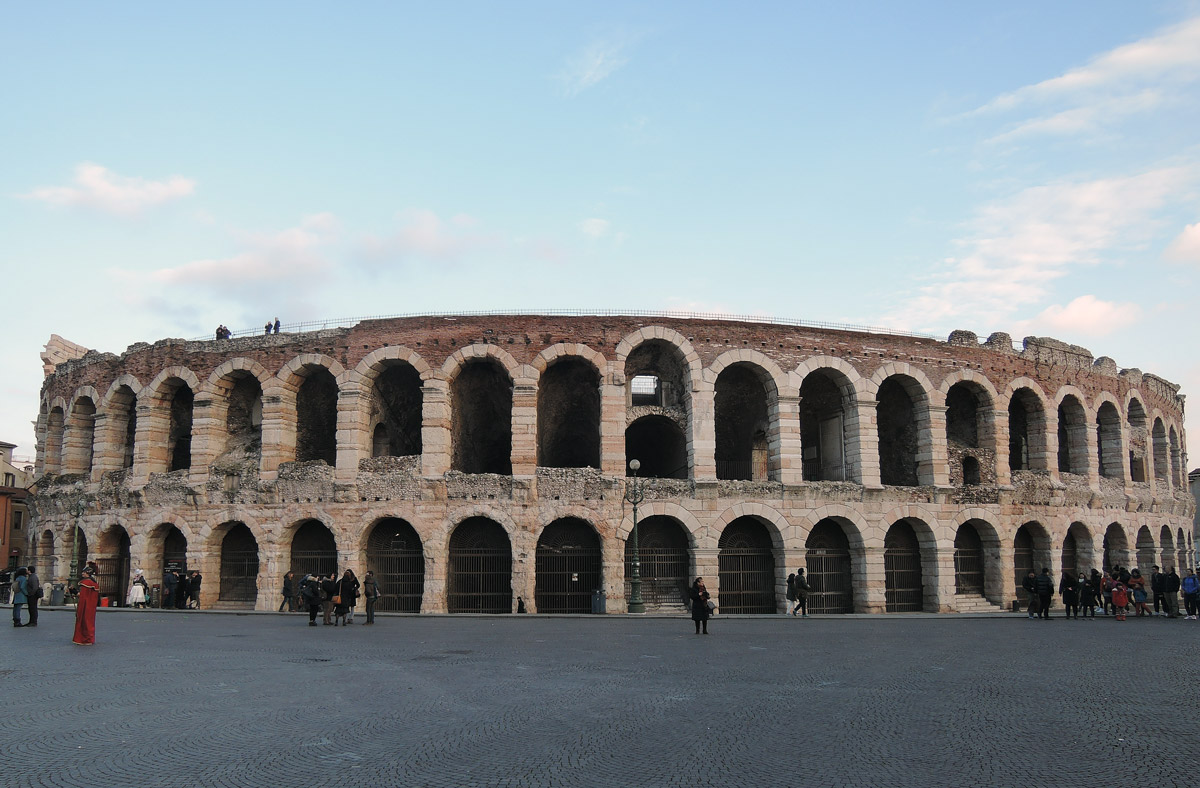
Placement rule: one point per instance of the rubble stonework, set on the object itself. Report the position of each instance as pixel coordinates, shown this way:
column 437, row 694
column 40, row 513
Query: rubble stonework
column 746, row 431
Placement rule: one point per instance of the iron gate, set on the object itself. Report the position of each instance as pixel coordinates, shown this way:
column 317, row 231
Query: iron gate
column 239, row 576
column 1070, row 556
column 112, row 574
column 747, row 576
column 1022, row 566
column 902, row 578
column 314, row 562
column 566, row 577
column 401, row 578
column 828, row 576
column 479, row 580
column 664, row 572
column 968, row 571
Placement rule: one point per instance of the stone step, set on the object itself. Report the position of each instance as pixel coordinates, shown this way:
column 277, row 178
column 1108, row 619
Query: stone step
column 976, row 604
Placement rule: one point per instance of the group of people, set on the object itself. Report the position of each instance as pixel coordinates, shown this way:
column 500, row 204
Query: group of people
column 223, row 332
column 1116, row 592
column 271, row 327
column 335, row 599
column 26, row 590
column 181, row 589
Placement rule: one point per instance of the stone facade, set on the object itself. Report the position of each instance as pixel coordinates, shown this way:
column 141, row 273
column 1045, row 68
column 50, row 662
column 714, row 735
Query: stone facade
column 905, row 472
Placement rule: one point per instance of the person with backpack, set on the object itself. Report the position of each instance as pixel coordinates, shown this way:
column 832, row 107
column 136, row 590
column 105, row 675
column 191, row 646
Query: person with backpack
column 1191, row 594
column 19, row 596
column 371, row 593
column 801, row 589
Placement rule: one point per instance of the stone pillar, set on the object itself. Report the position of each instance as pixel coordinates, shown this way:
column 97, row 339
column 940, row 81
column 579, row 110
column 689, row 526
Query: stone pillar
column 870, row 588
column 1006, row 572
column 862, row 444
column 351, row 434
column 612, row 557
column 1092, row 450
column 702, row 435
column 524, row 565
column 787, row 455
column 932, row 456
column 106, row 454
column 612, row 427
column 433, row 598
column 278, row 432
column 1000, row 428
column 1052, row 445
column 435, row 428
column 944, row 589
column 149, row 444
column 524, row 427
column 708, row 566
column 207, row 439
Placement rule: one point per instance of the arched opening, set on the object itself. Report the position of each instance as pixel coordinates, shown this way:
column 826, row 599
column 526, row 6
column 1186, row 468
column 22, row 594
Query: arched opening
column 1077, row 549
column 904, row 589
column 742, row 424
column 827, row 567
column 1186, row 552
column 1072, row 436
column 53, row 454
column 396, row 402
column 479, row 570
column 1031, row 552
column 1070, row 555
column 826, row 398
column 1026, row 432
column 46, row 555
column 179, row 429
column 568, row 415
column 1139, row 438
column 243, row 416
column 1108, row 441
column 969, row 568
column 568, row 567
column 174, row 552
column 1145, row 550
column 1162, row 452
column 1168, row 547
column 239, row 565
column 79, row 551
column 316, row 416
column 314, row 550
column 481, row 425
column 122, row 424
column 1177, row 476
column 395, row 555
column 746, row 565
column 80, row 437
column 663, row 550
column 968, row 431
column 1116, row 547
column 898, row 433
column 112, row 564
column 659, row 445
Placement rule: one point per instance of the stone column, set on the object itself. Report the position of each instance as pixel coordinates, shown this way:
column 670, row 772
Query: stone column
column 1007, row 574
column 943, row 598
column 433, row 598
column 612, row 427
column 524, row 427
column 702, row 435
column 207, row 443
column 435, row 428
column 870, row 588
column 862, row 444
column 149, row 444
column 278, row 433
column 351, row 434
column 524, row 565
column 787, row 454
column 932, row 456
column 106, row 455
column 1000, row 429
column 612, row 557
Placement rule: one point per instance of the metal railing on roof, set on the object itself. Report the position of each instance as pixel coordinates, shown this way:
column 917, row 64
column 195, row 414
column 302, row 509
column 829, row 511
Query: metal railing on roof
column 346, row 322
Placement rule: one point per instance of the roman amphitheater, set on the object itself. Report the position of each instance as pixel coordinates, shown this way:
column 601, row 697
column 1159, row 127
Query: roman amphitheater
column 480, row 463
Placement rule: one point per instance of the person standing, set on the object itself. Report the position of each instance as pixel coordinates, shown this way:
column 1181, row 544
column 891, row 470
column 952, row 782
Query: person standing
column 310, row 592
column 1029, row 584
column 88, row 596
column 1170, row 593
column 276, row 325
column 137, row 595
column 194, row 589
column 801, row 589
column 328, row 592
column 1137, row 588
column 700, row 609
column 1068, row 587
column 371, row 593
column 1044, row 585
column 1096, row 582
column 19, row 587
column 1120, row 600
column 347, row 591
column 352, row 601
column 1191, row 594
column 33, row 592
column 289, row 593
column 170, row 580
column 1158, row 587
column 267, row 328
column 1087, row 597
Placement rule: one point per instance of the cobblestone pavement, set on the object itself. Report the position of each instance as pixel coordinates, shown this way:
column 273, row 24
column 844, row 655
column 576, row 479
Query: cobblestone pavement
column 224, row 700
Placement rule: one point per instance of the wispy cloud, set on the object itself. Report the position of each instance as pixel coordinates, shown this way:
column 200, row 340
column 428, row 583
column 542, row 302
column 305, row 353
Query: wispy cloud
column 593, row 64
column 1017, row 246
column 424, row 235
column 1086, row 316
column 100, row 188
column 1186, row 247
column 1131, row 79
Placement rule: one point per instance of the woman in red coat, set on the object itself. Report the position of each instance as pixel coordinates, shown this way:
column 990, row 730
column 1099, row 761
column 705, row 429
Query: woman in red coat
column 85, row 609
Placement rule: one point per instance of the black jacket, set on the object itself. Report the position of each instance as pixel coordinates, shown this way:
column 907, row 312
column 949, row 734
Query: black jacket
column 329, row 587
column 1044, row 585
column 1158, row 582
column 1172, row 583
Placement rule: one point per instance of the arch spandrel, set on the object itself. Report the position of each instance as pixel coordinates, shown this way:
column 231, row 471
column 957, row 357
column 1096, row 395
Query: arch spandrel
column 105, row 403
column 767, row 370
column 564, row 350
column 454, row 364
column 154, row 389
column 214, row 384
column 690, row 357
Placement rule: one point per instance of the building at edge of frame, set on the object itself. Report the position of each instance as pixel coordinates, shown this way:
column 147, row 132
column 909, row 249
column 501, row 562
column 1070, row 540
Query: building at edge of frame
column 480, row 462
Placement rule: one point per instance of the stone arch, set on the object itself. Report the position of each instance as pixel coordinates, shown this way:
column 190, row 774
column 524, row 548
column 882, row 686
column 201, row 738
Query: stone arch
column 748, row 565
column 569, row 408
column 977, row 569
column 909, row 566
column 659, row 443
column 830, row 443
column 52, row 439
column 481, row 409
column 79, row 435
column 1178, row 475
column 454, row 365
column 1079, row 548
column 164, row 434
column 561, row 350
column 313, row 547
column 902, row 395
column 664, row 560
column 235, row 392
column 376, row 361
column 568, row 565
column 1073, row 430
column 1147, row 551
column 122, row 381
column 395, row 553
column 1110, row 439
column 833, row 557
column 119, row 433
column 746, row 416
column 776, row 524
column 691, row 525
column 1028, row 425
column 1031, row 553
column 774, row 378
column 1161, row 451
column 479, row 567
column 305, row 414
column 970, row 400
column 1137, row 437
column 113, row 555
column 238, row 552
column 1116, row 546
column 633, row 340
column 389, row 416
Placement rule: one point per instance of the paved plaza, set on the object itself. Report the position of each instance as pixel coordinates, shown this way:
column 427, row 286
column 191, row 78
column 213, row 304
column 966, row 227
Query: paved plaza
column 190, row 699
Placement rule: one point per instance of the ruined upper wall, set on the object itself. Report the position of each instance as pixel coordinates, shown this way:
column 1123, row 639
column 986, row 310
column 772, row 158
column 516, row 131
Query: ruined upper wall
column 1050, row 362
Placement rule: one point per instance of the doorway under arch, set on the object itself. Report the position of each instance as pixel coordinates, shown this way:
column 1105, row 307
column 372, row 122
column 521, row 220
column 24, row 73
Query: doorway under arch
column 479, row 569
column 395, row 555
column 665, row 560
column 827, row 563
column 746, row 565
column 567, row 567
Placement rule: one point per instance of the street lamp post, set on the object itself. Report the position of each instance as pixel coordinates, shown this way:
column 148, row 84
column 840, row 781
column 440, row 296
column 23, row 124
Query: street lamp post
column 635, row 493
column 78, row 506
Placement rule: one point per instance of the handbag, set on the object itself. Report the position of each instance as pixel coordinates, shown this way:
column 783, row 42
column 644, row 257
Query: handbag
column 337, row 599
column 711, row 605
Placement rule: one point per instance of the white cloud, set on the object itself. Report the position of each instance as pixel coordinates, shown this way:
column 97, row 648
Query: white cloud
column 595, row 228
column 100, row 188
column 1085, row 316
column 592, row 65
column 424, row 235
column 1019, row 245
column 1186, row 247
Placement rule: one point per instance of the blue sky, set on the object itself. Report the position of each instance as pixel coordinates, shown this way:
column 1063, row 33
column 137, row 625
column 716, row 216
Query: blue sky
column 1022, row 167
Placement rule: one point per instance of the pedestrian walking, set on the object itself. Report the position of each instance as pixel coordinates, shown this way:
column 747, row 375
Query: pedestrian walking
column 790, row 594
column 1191, row 594
column 1096, row 582
column 1170, row 593
column 1044, row 585
column 18, row 596
column 1068, row 587
column 1087, row 597
column 310, row 592
column 701, row 605
column 289, row 593
column 1029, row 585
column 371, row 594
column 33, row 593
column 801, row 591
column 88, row 597
column 1109, row 583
